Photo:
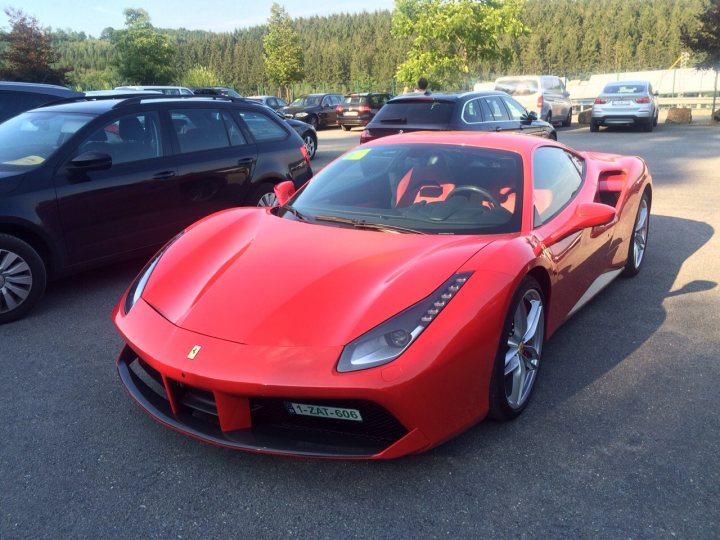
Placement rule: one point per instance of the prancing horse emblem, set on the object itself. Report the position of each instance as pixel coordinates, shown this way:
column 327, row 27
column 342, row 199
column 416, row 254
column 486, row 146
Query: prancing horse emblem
column 193, row 352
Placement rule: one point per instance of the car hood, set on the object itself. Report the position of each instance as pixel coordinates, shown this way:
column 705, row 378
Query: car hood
column 250, row 277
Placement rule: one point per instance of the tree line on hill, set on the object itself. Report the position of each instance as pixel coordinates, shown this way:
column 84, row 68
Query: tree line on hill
column 360, row 52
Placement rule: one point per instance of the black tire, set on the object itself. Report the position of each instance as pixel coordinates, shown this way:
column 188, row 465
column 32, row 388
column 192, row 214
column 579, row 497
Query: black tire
column 548, row 118
column 23, row 277
column 649, row 125
column 310, row 144
column 264, row 195
column 502, row 406
column 594, row 126
column 345, row 128
column 313, row 121
column 568, row 120
column 639, row 238
column 655, row 119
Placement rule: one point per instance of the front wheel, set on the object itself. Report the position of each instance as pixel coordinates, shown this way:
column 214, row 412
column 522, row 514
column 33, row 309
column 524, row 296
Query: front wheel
column 313, row 121
column 344, row 127
column 568, row 120
column 22, row 278
column 518, row 357
column 638, row 241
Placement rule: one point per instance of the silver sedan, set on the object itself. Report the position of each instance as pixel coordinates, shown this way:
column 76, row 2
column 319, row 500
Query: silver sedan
column 625, row 103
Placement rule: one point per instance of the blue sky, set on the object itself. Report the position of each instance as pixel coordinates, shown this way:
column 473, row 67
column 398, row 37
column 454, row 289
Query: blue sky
column 91, row 16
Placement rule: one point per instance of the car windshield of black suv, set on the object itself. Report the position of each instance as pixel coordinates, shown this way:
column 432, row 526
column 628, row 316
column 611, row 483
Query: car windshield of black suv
column 416, row 112
column 307, row 101
column 29, row 139
column 416, row 188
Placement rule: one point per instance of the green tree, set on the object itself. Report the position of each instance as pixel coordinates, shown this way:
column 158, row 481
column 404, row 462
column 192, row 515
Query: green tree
column 281, row 50
column 144, row 55
column 201, row 76
column 449, row 36
column 706, row 40
column 28, row 54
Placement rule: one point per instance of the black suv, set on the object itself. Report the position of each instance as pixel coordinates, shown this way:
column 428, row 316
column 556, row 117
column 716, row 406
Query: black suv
column 359, row 109
column 92, row 181
column 469, row 111
column 18, row 97
column 318, row 110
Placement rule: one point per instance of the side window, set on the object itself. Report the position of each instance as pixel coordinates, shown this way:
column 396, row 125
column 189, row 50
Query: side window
column 204, row 129
column 517, row 111
column 262, row 127
column 497, row 109
column 325, row 102
column 557, row 177
column 471, row 112
column 281, row 102
column 133, row 137
column 272, row 102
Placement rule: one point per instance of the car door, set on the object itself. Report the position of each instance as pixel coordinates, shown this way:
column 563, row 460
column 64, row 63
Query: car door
column 215, row 160
column 328, row 114
column 495, row 111
column 580, row 257
column 519, row 114
column 127, row 206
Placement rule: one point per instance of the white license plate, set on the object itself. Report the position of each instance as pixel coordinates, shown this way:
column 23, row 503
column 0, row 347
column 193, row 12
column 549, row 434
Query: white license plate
column 620, row 103
column 351, row 113
column 320, row 411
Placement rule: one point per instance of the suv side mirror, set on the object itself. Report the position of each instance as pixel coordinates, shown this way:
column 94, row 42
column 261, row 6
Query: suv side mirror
column 530, row 117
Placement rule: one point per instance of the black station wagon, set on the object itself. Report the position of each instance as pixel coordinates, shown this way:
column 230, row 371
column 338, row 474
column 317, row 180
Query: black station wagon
column 469, row 111
column 93, row 181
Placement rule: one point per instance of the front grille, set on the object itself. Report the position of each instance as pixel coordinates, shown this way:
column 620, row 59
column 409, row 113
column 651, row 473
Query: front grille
column 273, row 429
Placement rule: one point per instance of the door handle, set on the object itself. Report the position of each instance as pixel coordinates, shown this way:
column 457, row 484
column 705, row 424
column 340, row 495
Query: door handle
column 246, row 161
column 163, row 175
column 498, row 128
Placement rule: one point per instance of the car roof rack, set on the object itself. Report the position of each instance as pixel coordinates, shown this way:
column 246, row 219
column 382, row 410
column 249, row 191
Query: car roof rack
column 133, row 98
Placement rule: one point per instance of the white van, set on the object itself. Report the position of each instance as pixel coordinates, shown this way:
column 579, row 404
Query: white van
column 544, row 94
column 167, row 90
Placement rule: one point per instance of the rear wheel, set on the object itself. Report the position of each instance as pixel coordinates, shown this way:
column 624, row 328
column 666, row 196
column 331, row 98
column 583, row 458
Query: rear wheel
column 594, row 126
column 638, row 241
column 518, row 357
column 548, row 117
column 649, row 125
column 310, row 144
column 568, row 119
column 22, row 278
column 345, row 128
column 264, row 195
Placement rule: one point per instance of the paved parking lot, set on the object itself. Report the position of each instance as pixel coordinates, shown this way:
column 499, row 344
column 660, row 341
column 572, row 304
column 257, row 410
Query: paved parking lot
column 620, row 441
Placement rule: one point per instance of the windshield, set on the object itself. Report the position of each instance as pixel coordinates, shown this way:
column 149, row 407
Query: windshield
column 27, row 140
column 428, row 188
column 517, row 87
column 416, row 112
column 625, row 88
column 306, row 101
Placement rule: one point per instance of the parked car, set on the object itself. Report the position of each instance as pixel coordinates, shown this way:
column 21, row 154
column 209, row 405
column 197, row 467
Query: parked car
column 359, row 109
column 273, row 102
column 167, row 90
column 469, row 111
column 318, row 110
column 625, row 103
column 215, row 91
column 17, row 97
column 90, row 182
column 401, row 296
column 544, row 94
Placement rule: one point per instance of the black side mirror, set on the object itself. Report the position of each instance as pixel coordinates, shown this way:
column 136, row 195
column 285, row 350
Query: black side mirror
column 86, row 162
column 529, row 117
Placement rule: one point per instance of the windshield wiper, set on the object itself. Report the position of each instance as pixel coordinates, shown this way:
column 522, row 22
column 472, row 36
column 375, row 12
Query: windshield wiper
column 393, row 121
column 295, row 212
column 362, row 224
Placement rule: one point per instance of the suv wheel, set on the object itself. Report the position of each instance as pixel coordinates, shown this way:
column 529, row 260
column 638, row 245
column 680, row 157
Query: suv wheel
column 594, row 126
column 345, row 128
column 313, row 121
column 568, row 120
column 22, row 278
column 548, row 118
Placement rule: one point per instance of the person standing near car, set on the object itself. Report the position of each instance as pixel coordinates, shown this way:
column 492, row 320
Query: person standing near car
column 422, row 86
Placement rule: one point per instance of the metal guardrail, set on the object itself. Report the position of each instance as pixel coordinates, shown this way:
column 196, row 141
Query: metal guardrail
column 665, row 102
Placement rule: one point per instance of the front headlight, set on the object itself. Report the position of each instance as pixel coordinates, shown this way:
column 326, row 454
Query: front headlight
column 301, row 115
column 390, row 339
column 138, row 286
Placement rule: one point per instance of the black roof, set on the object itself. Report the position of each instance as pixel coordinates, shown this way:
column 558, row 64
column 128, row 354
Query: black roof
column 47, row 89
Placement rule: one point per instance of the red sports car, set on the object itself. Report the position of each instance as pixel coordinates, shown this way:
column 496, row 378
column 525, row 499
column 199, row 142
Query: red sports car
column 398, row 298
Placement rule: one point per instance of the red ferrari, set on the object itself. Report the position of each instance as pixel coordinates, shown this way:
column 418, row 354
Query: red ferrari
column 401, row 296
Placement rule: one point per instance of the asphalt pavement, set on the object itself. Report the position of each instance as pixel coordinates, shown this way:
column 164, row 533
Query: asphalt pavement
column 621, row 439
